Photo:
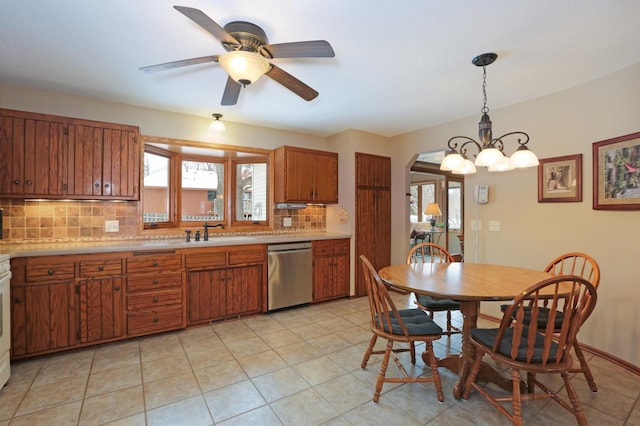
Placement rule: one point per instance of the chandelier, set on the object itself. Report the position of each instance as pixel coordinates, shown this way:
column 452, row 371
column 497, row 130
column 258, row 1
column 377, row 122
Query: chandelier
column 490, row 150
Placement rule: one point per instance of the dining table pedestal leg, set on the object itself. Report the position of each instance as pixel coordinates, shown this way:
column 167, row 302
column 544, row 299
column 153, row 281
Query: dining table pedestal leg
column 461, row 364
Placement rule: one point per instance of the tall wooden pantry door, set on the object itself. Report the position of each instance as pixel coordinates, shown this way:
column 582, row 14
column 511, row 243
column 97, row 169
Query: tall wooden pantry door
column 373, row 217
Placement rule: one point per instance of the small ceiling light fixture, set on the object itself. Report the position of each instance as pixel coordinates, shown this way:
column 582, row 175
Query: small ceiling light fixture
column 490, row 150
column 243, row 66
column 216, row 124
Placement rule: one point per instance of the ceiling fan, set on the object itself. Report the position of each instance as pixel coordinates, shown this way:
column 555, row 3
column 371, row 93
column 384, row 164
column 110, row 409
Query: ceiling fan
column 248, row 54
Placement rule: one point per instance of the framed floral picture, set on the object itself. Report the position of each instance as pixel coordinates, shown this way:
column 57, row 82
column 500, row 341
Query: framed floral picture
column 560, row 179
column 616, row 173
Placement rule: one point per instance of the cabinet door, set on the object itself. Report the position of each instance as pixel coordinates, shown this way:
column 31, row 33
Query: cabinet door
column 244, row 290
column 341, row 276
column 326, row 179
column 84, row 161
column 12, row 158
column 207, row 293
column 373, row 231
column 120, row 164
column 101, row 309
column 32, row 156
column 322, row 278
column 45, row 317
column 373, row 170
column 299, row 169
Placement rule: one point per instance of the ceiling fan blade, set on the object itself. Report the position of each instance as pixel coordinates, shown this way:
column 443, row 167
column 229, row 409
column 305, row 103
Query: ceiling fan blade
column 291, row 83
column 200, row 18
column 231, row 92
column 177, row 64
column 300, row 49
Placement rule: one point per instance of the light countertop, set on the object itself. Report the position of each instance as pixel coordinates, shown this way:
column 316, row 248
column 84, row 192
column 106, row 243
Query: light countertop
column 102, row 246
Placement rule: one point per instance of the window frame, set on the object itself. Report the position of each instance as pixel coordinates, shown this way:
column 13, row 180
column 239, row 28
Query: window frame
column 177, row 150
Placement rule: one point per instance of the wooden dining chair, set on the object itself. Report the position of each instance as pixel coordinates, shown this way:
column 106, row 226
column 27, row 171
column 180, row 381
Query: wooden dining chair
column 401, row 326
column 433, row 253
column 528, row 347
column 582, row 265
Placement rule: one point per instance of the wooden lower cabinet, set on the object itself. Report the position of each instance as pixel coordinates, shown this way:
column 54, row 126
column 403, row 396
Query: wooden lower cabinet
column 224, row 283
column 44, row 318
column 330, row 269
column 101, row 309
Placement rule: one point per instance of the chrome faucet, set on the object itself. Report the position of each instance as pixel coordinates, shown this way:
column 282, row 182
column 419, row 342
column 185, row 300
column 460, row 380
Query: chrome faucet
column 206, row 229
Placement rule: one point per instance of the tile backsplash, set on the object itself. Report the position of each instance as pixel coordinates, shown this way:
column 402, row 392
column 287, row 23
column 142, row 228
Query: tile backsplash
column 81, row 220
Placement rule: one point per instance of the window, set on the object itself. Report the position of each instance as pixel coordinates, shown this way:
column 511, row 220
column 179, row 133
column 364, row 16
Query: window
column 186, row 187
column 251, row 192
column 421, row 196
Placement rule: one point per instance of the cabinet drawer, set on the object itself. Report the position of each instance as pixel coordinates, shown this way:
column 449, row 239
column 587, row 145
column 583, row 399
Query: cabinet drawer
column 206, row 260
column 247, row 254
column 153, row 282
column 50, row 271
column 98, row 268
column 323, row 248
column 341, row 247
column 166, row 318
column 158, row 263
column 150, row 299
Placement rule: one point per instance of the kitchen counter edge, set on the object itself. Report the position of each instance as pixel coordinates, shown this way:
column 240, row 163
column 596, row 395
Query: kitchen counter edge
column 93, row 247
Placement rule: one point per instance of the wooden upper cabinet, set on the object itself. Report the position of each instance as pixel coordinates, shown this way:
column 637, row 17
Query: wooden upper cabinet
column 305, row 176
column 373, row 171
column 31, row 163
column 58, row 157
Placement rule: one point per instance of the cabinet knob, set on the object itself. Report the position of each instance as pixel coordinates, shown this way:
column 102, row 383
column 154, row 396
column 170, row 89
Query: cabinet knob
column 97, row 185
column 16, row 182
column 155, row 282
column 155, row 263
column 50, row 272
column 100, row 268
column 106, row 185
column 28, row 182
column 18, row 299
column 116, row 288
column 155, row 299
column 156, row 319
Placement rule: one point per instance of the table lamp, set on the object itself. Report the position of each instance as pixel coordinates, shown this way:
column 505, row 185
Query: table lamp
column 433, row 209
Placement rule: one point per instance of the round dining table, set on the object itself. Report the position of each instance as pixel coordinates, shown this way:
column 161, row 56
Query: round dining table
column 470, row 284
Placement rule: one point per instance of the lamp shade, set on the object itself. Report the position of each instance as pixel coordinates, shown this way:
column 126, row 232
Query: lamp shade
column 433, row 209
column 451, row 161
column 244, row 67
column 217, row 125
column 523, row 157
column 465, row 168
column 488, row 157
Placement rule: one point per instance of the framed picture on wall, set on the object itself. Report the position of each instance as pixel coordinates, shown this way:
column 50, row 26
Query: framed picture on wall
column 616, row 173
column 560, row 179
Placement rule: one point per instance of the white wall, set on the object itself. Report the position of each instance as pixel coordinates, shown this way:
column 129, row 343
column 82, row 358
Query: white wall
column 534, row 233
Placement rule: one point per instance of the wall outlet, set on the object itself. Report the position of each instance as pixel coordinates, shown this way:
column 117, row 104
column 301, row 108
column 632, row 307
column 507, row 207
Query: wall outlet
column 111, row 225
column 286, row 221
column 494, row 225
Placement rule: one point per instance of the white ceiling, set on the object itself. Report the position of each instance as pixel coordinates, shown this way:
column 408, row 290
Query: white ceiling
column 400, row 65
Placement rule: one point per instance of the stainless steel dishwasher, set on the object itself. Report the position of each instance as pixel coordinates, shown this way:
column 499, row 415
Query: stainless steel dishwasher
column 290, row 275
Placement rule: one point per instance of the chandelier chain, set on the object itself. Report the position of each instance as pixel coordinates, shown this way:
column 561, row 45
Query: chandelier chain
column 484, row 109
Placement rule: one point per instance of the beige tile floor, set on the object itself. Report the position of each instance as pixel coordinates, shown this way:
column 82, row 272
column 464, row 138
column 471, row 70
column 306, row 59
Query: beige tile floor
column 295, row 367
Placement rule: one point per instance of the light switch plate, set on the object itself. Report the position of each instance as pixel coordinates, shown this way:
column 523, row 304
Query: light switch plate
column 111, row 225
column 494, row 225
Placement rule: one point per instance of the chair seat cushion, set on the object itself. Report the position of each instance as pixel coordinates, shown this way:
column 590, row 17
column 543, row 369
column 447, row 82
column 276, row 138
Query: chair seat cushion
column 416, row 321
column 487, row 337
column 437, row 304
column 543, row 316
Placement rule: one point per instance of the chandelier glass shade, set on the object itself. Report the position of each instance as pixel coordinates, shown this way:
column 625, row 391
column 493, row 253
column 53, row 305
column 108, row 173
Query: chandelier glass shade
column 490, row 150
column 217, row 125
column 244, row 67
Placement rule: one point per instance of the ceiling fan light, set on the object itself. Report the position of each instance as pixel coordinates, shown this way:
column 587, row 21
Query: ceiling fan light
column 451, row 161
column 488, row 157
column 523, row 157
column 244, row 67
